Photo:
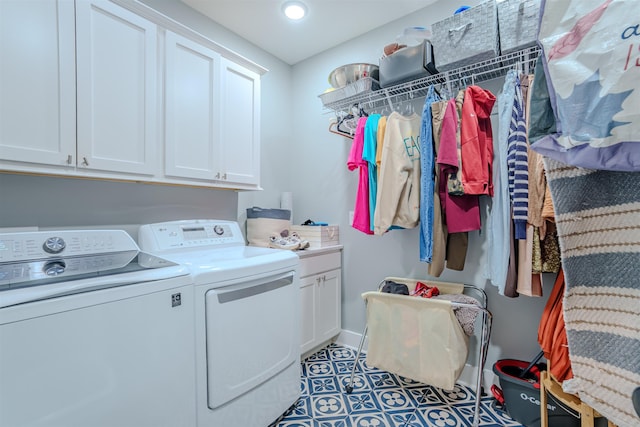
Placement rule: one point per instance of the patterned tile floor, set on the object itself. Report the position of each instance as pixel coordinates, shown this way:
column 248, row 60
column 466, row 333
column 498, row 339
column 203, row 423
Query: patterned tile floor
column 379, row 399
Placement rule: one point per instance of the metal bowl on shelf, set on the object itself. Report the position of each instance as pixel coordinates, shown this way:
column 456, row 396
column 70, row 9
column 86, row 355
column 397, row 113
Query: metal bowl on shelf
column 351, row 73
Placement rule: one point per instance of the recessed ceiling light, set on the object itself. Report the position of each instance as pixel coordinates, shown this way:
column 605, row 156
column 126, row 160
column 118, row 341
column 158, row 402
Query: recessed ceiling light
column 294, row 10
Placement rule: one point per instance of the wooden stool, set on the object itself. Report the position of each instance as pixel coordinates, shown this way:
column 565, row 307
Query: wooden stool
column 548, row 384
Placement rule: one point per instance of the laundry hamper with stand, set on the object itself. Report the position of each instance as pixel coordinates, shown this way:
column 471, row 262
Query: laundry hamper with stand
column 421, row 338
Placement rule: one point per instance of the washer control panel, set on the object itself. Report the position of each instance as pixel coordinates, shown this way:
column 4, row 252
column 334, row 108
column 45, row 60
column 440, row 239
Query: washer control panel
column 41, row 255
column 189, row 234
column 54, row 267
column 36, row 245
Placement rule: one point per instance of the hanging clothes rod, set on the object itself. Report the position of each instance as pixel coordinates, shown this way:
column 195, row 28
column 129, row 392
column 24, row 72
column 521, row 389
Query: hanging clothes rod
column 471, row 74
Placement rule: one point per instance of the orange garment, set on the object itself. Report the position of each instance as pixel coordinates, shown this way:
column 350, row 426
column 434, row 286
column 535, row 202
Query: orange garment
column 382, row 127
column 476, row 139
column 547, row 208
column 552, row 335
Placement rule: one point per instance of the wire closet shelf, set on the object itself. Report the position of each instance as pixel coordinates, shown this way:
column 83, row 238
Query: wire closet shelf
column 523, row 60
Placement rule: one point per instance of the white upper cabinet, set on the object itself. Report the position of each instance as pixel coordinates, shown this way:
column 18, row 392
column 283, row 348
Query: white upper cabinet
column 112, row 89
column 240, row 124
column 192, row 109
column 212, row 116
column 37, row 82
column 116, row 89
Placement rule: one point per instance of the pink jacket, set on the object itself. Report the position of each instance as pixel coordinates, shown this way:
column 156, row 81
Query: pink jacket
column 476, row 139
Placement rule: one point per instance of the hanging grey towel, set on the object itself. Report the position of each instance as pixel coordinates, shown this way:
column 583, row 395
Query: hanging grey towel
column 598, row 222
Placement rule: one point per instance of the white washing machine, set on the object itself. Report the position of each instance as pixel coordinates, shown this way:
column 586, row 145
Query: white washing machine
column 247, row 320
column 93, row 333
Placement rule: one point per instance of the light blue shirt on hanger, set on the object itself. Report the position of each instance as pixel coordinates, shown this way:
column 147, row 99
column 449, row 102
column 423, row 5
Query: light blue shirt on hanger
column 498, row 227
column 369, row 156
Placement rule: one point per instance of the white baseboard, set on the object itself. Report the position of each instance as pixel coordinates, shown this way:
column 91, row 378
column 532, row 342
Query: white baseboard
column 467, row 378
column 351, row 339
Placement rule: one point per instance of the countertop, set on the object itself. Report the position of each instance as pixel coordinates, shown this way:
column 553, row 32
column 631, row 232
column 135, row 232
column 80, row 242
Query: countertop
column 317, row 251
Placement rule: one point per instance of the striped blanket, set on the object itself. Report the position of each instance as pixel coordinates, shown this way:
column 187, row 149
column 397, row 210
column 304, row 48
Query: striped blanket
column 598, row 221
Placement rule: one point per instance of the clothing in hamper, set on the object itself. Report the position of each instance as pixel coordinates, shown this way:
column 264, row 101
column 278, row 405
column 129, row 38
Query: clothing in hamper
column 361, row 208
column 369, row 156
column 398, row 198
column 517, row 166
column 499, row 218
column 466, row 316
column 427, row 178
column 462, row 213
column 476, row 141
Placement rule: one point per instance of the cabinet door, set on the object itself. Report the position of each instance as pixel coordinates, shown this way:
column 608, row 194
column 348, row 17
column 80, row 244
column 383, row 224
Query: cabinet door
column 308, row 312
column 328, row 305
column 240, row 124
column 37, row 82
column 117, row 73
column 192, row 113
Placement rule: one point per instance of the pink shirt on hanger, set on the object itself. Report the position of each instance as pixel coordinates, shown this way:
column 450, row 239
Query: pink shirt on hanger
column 361, row 220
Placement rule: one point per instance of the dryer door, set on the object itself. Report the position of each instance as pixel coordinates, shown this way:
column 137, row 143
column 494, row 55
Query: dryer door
column 252, row 334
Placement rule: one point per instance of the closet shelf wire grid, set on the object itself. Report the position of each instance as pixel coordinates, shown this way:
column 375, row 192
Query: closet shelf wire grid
column 523, row 60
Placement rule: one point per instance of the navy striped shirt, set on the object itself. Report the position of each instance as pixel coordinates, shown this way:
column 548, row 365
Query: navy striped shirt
column 517, row 165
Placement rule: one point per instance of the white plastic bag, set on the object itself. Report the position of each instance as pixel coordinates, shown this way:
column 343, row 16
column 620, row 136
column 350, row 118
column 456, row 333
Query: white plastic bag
column 592, row 62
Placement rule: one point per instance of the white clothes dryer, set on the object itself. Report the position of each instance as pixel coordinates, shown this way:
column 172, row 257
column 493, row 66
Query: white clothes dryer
column 247, row 320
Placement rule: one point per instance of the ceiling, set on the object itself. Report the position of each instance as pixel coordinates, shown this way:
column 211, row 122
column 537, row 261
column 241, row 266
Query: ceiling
column 327, row 24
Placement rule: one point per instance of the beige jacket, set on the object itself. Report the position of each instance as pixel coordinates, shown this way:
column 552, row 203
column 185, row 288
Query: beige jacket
column 398, row 196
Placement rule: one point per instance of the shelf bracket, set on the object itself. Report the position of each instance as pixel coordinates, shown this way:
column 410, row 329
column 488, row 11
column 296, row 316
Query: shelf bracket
column 386, row 93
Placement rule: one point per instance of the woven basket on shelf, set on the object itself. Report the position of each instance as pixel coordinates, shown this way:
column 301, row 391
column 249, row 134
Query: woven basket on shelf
column 518, row 21
column 467, row 37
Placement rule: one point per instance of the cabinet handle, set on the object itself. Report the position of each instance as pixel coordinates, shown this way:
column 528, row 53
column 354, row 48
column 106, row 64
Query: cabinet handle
column 217, row 175
column 224, row 176
column 69, row 159
column 318, row 279
column 85, row 162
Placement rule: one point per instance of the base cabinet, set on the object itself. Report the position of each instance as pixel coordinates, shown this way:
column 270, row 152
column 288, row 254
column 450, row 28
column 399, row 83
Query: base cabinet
column 320, row 293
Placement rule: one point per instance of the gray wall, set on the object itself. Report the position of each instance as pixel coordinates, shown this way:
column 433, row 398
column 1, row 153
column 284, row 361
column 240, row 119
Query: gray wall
column 50, row 202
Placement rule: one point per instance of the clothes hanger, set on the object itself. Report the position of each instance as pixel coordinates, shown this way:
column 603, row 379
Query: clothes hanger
column 333, row 128
column 348, row 124
column 408, row 109
column 436, row 90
